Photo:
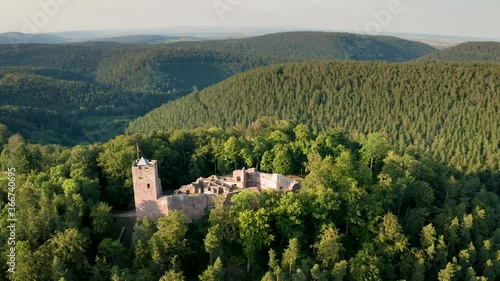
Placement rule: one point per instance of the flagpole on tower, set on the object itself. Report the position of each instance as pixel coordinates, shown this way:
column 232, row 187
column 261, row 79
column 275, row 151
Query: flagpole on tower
column 138, row 150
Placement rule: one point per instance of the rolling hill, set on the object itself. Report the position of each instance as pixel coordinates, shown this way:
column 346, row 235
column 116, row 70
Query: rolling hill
column 182, row 65
column 23, row 38
column 81, row 58
column 446, row 109
column 58, row 107
column 178, row 67
column 467, row 52
column 146, row 39
column 56, row 88
column 325, row 45
column 369, row 207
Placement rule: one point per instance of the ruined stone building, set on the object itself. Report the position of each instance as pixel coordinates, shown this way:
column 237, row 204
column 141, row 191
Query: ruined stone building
column 149, row 200
column 195, row 198
column 240, row 180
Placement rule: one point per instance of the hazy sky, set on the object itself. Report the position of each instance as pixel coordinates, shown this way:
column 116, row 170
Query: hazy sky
column 478, row 18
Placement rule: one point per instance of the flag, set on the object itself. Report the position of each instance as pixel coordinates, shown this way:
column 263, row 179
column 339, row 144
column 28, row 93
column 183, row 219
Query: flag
column 138, row 148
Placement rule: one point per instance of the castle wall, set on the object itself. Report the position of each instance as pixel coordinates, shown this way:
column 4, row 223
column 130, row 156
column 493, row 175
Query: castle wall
column 237, row 174
column 271, row 181
column 285, row 183
column 152, row 209
column 192, row 206
column 261, row 180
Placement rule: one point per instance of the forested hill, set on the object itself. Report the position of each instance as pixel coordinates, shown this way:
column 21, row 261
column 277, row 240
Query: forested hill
column 182, row 65
column 83, row 58
column 325, row 45
column 178, row 67
column 47, row 91
column 23, row 38
column 471, row 52
column 448, row 110
column 145, row 39
column 61, row 107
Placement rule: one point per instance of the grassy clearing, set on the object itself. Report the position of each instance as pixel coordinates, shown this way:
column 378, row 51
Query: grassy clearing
column 3, row 176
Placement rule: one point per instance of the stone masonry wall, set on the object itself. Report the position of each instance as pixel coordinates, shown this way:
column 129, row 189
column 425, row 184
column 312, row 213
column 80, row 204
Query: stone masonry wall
column 272, row 181
column 192, row 206
column 286, row 183
column 261, row 180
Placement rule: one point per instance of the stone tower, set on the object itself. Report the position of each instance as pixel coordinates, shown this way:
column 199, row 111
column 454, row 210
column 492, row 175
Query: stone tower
column 147, row 188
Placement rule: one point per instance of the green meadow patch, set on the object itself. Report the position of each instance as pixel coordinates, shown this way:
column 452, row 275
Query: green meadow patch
column 3, row 176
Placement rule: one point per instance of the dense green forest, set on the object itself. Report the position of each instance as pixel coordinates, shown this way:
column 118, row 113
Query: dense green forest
column 467, row 52
column 365, row 212
column 108, row 84
column 399, row 162
column 61, row 107
column 181, row 66
column 447, row 110
column 80, row 58
column 323, row 45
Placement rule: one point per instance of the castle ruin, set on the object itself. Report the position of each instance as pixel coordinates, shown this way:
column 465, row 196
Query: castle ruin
column 195, row 198
column 240, row 180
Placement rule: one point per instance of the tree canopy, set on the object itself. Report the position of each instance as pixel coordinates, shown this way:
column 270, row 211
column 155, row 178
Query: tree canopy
column 400, row 216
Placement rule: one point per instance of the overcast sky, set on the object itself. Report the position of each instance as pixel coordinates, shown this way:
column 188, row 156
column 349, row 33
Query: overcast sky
column 479, row 18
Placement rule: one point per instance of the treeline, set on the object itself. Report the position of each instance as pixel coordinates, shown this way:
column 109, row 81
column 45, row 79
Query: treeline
column 448, row 111
column 468, row 52
column 365, row 212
